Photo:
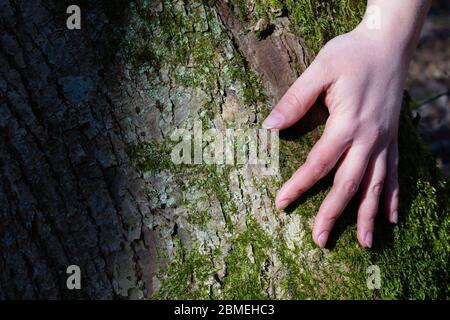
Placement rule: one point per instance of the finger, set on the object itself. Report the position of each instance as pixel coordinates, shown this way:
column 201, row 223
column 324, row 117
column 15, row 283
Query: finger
column 321, row 159
column 346, row 182
column 298, row 99
column 372, row 187
column 392, row 188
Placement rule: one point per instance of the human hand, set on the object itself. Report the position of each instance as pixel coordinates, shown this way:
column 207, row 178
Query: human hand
column 361, row 79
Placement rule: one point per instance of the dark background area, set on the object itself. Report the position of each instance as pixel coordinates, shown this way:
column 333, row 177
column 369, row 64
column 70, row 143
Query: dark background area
column 429, row 82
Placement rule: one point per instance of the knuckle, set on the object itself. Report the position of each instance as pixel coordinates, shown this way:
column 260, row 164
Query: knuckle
column 377, row 189
column 318, row 168
column 322, row 65
column 351, row 128
column 370, row 218
column 330, row 218
column 368, row 132
column 376, row 134
column 349, row 188
column 343, row 129
column 326, row 53
column 367, row 218
column 321, row 60
column 297, row 189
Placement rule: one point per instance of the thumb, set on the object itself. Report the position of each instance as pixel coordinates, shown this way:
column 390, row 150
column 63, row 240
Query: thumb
column 298, row 99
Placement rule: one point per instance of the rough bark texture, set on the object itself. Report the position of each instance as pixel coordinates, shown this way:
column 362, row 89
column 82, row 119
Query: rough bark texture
column 69, row 194
column 86, row 176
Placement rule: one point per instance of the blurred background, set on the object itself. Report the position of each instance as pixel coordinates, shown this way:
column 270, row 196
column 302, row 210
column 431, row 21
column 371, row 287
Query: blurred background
column 429, row 83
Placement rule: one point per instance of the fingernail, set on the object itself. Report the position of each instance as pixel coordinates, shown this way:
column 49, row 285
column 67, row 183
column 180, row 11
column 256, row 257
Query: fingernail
column 283, row 204
column 368, row 239
column 273, row 121
column 394, row 217
column 322, row 240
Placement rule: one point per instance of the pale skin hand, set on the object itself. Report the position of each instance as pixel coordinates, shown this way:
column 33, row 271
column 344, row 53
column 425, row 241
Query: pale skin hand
column 361, row 75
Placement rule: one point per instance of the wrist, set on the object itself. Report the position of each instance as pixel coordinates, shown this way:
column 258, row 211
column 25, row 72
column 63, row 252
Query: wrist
column 385, row 33
column 383, row 45
column 394, row 24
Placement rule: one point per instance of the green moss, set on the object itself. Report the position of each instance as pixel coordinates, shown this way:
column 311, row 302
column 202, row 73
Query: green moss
column 189, row 42
column 199, row 218
column 415, row 259
column 187, row 267
column 253, row 92
column 322, row 277
column 245, row 276
column 317, row 21
column 416, row 265
column 294, row 150
column 320, row 21
column 149, row 156
column 214, row 181
column 240, row 8
column 246, row 271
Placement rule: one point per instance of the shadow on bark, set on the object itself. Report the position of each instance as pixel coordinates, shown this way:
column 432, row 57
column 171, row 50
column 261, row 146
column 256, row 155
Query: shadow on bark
column 70, row 195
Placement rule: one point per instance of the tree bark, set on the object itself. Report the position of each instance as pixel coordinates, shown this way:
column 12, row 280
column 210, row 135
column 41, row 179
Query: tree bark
column 86, row 176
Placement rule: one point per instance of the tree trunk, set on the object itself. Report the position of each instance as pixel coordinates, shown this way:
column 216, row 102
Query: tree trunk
column 87, row 171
